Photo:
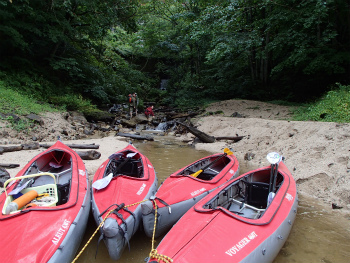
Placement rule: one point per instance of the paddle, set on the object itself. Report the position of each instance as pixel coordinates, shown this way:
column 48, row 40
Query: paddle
column 227, row 152
column 104, row 182
column 274, row 159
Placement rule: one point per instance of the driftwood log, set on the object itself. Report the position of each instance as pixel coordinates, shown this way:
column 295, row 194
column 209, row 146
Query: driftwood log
column 135, row 136
column 30, row 146
column 200, row 135
column 232, row 138
column 207, row 138
column 9, row 165
column 89, row 155
column 76, row 146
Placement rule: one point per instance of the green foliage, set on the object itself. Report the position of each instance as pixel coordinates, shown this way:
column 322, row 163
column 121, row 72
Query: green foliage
column 20, row 125
column 64, row 43
column 332, row 107
column 93, row 52
column 73, row 103
column 13, row 102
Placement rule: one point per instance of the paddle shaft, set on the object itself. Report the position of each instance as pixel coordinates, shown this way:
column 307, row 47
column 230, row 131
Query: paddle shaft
column 273, row 177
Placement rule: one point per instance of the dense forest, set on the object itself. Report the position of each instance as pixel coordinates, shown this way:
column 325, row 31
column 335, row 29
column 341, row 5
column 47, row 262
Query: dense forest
column 171, row 52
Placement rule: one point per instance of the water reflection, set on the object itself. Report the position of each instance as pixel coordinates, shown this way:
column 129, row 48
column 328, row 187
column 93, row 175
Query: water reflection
column 318, row 235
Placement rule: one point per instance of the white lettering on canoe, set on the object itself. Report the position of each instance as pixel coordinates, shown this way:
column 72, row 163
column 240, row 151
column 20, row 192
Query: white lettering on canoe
column 143, row 186
column 241, row 244
column 60, row 232
column 82, row 172
column 289, row 197
column 198, row 191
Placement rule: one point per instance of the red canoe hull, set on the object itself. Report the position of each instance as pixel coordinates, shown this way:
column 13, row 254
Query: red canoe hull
column 181, row 190
column 49, row 234
column 129, row 187
column 211, row 232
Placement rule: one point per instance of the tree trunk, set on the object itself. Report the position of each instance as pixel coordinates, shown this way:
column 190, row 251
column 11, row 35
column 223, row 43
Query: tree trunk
column 76, row 146
column 201, row 135
column 233, row 138
column 9, row 165
column 134, row 136
column 89, row 155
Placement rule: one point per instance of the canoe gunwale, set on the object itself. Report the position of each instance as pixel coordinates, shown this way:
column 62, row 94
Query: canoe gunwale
column 74, row 167
column 267, row 216
column 201, row 163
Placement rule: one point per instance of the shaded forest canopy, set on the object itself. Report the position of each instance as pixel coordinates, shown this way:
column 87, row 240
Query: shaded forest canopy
column 205, row 49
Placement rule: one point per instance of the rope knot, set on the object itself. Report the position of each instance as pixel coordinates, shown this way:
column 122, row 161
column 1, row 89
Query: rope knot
column 154, row 254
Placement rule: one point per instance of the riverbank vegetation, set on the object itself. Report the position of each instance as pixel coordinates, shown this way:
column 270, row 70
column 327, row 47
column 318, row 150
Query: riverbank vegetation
column 88, row 55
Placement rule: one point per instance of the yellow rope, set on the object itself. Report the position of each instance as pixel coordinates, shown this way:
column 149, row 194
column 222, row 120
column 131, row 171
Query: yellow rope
column 154, row 252
column 99, row 226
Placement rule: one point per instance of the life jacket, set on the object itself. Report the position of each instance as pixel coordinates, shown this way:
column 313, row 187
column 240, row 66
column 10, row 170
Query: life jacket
column 148, row 111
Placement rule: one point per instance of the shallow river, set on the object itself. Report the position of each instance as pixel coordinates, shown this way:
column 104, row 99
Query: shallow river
column 317, row 235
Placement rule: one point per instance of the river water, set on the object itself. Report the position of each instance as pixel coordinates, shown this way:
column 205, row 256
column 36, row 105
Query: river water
column 318, row 235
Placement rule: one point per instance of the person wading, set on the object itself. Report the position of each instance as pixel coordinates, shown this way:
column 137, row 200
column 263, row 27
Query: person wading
column 149, row 112
column 133, row 103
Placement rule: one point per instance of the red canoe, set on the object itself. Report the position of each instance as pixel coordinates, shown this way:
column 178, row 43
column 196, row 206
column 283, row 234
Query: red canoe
column 49, row 229
column 182, row 189
column 236, row 222
column 129, row 178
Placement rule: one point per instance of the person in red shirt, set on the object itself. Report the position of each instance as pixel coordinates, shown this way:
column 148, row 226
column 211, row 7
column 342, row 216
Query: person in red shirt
column 149, row 112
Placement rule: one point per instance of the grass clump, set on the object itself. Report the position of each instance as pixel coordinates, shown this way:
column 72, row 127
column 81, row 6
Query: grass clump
column 334, row 106
column 16, row 103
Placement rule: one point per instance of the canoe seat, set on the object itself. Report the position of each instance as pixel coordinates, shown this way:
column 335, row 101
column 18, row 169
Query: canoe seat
column 63, row 191
column 207, row 174
column 256, row 194
column 131, row 168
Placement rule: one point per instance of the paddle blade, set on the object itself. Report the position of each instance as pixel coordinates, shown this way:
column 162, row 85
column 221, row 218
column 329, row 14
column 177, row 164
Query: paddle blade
column 197, row 173
column 102, row 183
column 273, row 158
column 227, row 151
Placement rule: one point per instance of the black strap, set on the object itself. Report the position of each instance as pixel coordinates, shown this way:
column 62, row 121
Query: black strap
column 117, row 209
column 162, row 201
column 98, row 243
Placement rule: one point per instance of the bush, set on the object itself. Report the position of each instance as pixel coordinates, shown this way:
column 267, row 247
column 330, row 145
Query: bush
column 13, row 102
column 332, row 107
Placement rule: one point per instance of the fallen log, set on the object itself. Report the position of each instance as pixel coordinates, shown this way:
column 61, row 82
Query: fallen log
column 89, row 155
column 232, row 138
column 135, row 136
column 29, row 146
column 76, row 146
column 9, row 165
column 200, row 135
column 207, row 138
column 11, row 148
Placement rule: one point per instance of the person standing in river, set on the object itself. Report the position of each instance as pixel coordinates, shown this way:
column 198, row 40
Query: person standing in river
column 133, row 103
column 149, row 113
